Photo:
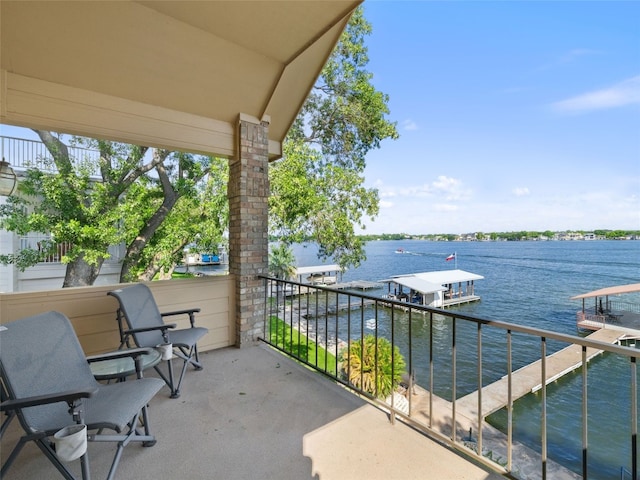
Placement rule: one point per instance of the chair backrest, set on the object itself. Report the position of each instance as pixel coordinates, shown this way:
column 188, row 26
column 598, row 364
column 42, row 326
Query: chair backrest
column 41, row 355
column 140, row 311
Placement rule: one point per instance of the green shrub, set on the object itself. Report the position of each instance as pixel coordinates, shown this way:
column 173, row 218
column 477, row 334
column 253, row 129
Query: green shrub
column 370, row 368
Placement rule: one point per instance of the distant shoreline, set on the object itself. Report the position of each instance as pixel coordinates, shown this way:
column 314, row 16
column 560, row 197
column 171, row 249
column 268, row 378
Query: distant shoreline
column 546, row 236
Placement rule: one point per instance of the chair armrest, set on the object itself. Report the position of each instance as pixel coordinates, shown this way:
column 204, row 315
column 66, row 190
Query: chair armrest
column 163, row 328
column 189, row 312
column 68, row 396
column 181, row 312
column 130, row 352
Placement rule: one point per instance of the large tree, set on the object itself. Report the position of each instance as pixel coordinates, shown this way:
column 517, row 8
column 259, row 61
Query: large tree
column 126, row 198
column 317, row 187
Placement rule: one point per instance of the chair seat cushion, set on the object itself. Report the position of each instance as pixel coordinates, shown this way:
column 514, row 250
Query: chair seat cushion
column 111, row 407
column 187, row 337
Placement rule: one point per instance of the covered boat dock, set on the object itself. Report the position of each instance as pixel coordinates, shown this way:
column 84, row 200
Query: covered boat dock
column 600, row 310
column 319, row 274
column 440, row 289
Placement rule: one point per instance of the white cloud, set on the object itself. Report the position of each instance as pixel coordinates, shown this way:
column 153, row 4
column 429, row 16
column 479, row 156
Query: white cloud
column 386, row 204
column 445, row 207
column 521, row 191
column 621, row 94
column 386, row 193
column 409, row 124
column 451, row 188
column 444, row 188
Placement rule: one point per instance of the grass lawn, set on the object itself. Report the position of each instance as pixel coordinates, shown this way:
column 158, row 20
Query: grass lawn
column 300, row 346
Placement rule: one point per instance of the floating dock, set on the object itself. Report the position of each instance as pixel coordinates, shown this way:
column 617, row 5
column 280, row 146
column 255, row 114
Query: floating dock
column 528, row 379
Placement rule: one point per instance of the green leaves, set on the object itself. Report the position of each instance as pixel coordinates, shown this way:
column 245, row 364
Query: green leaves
column 282, row 262
column 372, row 365
column 317, row 188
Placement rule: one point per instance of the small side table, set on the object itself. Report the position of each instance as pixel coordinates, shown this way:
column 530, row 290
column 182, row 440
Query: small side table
column 121, row 368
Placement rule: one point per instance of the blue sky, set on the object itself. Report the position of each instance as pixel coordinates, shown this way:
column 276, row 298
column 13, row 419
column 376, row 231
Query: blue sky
column 512, row 115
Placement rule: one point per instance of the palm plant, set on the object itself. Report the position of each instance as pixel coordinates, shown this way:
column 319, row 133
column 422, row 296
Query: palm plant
column 373, row 366
column 282, row 261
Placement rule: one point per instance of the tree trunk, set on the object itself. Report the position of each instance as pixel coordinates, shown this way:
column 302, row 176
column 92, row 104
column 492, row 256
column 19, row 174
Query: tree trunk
column 80, row 274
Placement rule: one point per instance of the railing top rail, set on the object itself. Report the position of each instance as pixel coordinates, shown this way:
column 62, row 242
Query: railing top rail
column 512, row 327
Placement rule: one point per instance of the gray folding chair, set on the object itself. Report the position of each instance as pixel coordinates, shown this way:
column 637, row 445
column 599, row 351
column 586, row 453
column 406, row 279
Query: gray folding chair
column 145, row 325
column 49, row 385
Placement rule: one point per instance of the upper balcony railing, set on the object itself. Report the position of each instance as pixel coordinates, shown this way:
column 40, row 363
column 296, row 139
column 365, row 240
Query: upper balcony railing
column 462, row 376
column 23, row 154
column 38, row 241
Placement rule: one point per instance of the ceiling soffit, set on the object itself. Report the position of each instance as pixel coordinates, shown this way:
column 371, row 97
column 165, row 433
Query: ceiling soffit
column 208, row 61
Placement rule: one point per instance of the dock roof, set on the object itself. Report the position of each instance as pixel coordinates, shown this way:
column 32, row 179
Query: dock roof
column 317, row 269
column 444, row 277
column 616, row 290
column 418, row 284
column 427, row 282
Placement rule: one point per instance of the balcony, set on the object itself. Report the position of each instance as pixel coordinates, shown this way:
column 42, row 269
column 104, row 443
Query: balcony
column 255, row 413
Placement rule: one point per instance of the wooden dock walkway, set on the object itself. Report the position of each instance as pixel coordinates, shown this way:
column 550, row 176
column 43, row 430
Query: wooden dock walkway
column 528, row 379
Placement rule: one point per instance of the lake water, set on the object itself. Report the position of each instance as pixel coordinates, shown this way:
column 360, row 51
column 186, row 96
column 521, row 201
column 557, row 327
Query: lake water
column 527, row 283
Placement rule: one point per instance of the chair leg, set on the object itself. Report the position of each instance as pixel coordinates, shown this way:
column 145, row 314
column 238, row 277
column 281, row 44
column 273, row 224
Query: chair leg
column 197, row 365
column 175, row 390
column 168, row 379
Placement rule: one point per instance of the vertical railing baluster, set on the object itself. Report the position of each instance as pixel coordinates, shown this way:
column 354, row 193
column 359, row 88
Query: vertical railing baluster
column 509, row 404
column 430, row 369
column 326, row 328
column 634, row 419
column 362, row 347
column 307, row 334
column 375, row 356
column 480, row 417
column 543, row 414
column 410, row 372
column 298, row 321
column 348, row 338
column 266, row 310
column 392, row 416
column 585, row 411
column 289, row 285
column 336, row 332
column 317, row 295
column 453, row 379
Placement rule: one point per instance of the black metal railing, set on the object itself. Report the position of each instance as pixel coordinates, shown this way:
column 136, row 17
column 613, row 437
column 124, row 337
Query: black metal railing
column 452, row 362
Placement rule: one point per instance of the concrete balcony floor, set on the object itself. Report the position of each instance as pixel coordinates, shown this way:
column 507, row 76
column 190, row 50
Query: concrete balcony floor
column 254, row 414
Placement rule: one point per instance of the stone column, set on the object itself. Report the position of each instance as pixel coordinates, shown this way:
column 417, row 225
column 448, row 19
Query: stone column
column 248, row 194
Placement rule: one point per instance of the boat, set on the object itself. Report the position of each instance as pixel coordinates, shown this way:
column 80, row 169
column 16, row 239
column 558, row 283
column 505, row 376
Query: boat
column 440, row 289
column 401, row 250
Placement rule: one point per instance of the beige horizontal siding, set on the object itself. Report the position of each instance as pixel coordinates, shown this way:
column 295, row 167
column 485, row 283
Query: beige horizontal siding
column 93, row 313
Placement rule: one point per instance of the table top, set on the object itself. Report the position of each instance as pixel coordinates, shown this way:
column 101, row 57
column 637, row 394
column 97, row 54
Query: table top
column 119, row 368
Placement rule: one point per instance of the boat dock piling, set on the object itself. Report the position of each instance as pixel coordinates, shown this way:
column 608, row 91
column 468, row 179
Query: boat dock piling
column 528, row 378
